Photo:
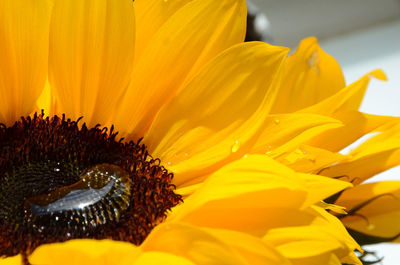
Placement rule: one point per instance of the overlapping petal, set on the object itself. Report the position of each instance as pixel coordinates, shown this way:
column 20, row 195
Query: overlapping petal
column 355, row 125
column 309, row 159
column 311, row 75
column 250, row 194
column 322, row 240
column 375, row 155
column 211, row 246
column 24, row 38
column 190, row 38
column 348, row 98
column 87, row 70
column 194, row 133
column 285, row 132
column 374, row 211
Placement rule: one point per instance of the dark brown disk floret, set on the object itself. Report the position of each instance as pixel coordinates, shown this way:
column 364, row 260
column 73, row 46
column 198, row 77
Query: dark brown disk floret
column 47, row 165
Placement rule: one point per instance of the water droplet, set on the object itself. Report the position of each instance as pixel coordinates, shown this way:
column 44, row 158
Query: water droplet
column 298, row 151
column 313, row 61
column 169, row 163
column 371, row 227
column 186, row 154
column 235, row 147
column 246, row 156
column 277, row 121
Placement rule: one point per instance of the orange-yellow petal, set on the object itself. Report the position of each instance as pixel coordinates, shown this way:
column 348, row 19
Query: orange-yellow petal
column 356, row 124
column 24, row 38
column 245, row 194
column 155, row 258
column 284, row 133
column 16, row 260
column 85, row 251
column 91, row 56
column 314, row 242
column 310, row 76
column 373, row 210
column 375, row 155
column 223, row 106
column 150, row 17
column 310, row 159
column 211, row 246
column 194, row 35
column 348, row 98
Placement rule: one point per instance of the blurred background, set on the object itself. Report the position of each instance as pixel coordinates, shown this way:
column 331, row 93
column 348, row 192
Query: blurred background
column 362, row 35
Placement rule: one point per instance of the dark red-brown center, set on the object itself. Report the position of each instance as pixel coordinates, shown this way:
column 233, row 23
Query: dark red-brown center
column 61, row 181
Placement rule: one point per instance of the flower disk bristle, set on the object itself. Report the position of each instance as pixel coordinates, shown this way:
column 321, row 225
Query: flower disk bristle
column 44, row 164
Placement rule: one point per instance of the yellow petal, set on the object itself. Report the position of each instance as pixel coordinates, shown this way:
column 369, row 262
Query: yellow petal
column 245, row 194
column 150, row 17
column 356, row 124
column 91, row 56
column 221, row 108
column 194, row 35
column 252, row 248
column 16, row 260
column 375, row 155
column 24, row 37
column 191, row 243
column 374, row 210
column 314, row 242
column 348, row 98
column 156, row 258
column 85, row 251
column 310, row 159
column 283, row 133
column 311, row 75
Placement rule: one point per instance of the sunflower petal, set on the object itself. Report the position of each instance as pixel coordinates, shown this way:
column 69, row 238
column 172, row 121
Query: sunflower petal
column 24, row 37
column 191, row 243
column 356, row 124
column 154, row 257
column 211, row 246
column 375, row 155
column 15, row 260
column 373, row 209
column 283, row 133
column 85, row 251
column 252, row 248
column 310, row 76
column 316, row 242
column 91, row 51
column 208, row 120
column 246, row 194
column 150, row 17
column 349, row 98
column 194, row 35
column 310, row 159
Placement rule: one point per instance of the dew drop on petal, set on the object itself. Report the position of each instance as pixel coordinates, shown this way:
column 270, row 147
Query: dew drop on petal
column 313, row 62
column 235, row 147
column 371, row 227
column 277, row 121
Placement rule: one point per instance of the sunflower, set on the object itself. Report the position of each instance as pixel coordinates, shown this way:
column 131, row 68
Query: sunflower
column 373, row 209
column 190, row 177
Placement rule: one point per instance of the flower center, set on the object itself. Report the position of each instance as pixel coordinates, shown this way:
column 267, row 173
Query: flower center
column 62, row 181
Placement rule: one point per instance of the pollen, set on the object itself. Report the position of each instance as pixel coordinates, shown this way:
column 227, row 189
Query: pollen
column 61, row 180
